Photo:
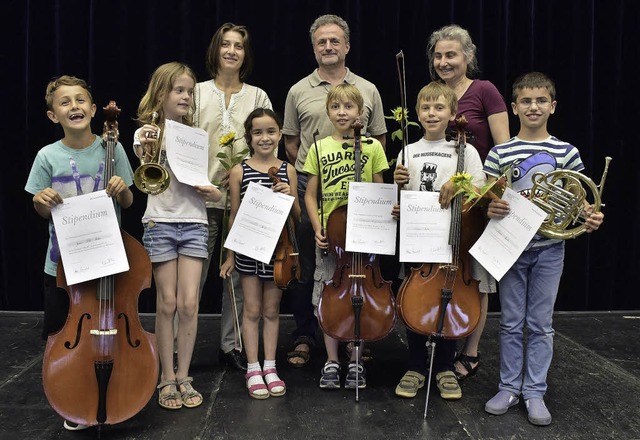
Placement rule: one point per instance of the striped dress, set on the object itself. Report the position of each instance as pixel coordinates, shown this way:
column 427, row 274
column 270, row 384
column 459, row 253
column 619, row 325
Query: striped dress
column 246, row 265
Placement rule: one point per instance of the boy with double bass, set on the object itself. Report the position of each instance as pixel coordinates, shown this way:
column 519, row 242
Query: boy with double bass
column 66, row 168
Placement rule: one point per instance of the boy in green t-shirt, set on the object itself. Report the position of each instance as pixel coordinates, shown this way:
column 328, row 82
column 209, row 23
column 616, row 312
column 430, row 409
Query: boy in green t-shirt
column 334, row 171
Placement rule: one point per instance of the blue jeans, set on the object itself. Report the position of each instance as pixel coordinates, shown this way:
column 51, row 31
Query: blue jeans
column 164, row 241
column 528, row 293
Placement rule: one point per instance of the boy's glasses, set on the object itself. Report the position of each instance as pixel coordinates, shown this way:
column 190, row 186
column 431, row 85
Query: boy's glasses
column 540, row 102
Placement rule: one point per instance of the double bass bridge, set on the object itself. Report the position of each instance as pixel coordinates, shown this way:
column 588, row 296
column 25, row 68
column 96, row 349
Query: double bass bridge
column 113, row 331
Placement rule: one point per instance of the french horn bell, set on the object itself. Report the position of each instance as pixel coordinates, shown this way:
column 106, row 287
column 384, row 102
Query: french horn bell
column 563, row 195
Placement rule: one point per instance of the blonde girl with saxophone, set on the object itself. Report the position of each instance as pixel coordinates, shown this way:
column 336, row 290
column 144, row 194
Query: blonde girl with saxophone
column 175, row 234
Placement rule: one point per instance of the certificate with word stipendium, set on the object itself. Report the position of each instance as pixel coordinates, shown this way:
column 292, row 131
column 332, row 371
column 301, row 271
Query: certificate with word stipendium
column 89, row 237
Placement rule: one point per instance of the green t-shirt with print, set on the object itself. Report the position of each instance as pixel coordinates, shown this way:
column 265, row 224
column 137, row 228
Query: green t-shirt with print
column 338, row 168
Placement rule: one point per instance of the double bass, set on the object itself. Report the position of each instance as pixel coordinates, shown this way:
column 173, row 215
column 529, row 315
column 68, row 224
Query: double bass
column 286, row 267
column 357, row 304
column 102, row 366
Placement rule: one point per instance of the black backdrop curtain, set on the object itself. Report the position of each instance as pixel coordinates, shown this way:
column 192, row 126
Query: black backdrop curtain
column 590, row 48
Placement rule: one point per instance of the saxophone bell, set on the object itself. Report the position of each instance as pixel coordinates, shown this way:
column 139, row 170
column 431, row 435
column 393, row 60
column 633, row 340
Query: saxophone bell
column 151, row 177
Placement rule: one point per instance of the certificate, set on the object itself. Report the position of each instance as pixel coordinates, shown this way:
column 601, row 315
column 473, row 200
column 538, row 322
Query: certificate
column 503, row 240
column 424, row 228
column 370, row 226
column 259, row 222
column 89, row 237
column 187, row 153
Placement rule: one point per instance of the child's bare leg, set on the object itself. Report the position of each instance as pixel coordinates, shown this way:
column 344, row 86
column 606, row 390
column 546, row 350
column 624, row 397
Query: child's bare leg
column 189, row 269
column 332, row 348
column 271, row 324
column 473, row 340
column 271, row 316
column 251, row 311
column 165, row 275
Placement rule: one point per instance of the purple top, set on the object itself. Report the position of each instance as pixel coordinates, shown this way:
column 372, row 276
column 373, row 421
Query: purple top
column 481, row 100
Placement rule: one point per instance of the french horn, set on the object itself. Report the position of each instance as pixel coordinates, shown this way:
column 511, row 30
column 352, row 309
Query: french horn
column 151, row 177
column 563, row 195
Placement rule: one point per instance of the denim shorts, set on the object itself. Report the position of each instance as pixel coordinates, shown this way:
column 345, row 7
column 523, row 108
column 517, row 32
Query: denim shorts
column 164, row 241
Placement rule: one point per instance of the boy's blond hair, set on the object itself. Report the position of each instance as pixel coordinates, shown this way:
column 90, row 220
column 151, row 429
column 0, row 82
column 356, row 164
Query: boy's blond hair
column 160, row 85
column 434, row 90
column 345, row 92
column 533, row 80
column 64, row 80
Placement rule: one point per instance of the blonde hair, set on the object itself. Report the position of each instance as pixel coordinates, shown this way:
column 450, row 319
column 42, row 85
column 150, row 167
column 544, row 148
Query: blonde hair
column 345, row 92
column 64, row 80
column 160, row 85
column 434, row 90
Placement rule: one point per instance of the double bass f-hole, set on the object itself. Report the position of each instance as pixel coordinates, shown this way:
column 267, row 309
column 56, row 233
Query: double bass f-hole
column 286, row 266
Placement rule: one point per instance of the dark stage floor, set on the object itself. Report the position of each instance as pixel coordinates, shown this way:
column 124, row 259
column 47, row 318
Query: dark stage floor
column 594, row 389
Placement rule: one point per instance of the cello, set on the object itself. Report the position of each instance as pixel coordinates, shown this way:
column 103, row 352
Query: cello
column 286, row 267
column 357, row 304
column 442, row 299
column 102, row 366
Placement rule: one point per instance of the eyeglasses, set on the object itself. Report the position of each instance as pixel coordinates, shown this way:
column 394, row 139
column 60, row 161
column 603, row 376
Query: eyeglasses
column 540, row 102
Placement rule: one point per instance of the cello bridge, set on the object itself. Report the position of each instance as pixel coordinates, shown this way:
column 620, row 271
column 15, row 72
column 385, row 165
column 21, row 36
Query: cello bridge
column 357, row 276
column 104, row 332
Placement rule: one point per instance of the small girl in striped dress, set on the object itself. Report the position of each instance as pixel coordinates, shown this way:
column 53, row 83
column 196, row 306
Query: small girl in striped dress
column 261, row 295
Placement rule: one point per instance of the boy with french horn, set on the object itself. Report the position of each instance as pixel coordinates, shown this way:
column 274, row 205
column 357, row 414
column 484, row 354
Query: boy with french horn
column 529, row 288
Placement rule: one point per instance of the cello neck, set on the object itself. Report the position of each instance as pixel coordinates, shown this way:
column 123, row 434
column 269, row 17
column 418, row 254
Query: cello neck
column 456, row 203
column 357, row 150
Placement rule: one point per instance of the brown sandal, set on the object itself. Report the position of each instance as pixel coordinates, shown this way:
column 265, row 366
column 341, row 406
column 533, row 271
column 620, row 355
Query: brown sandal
column 170, row 394
column 300, row 354
column 189, row 392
